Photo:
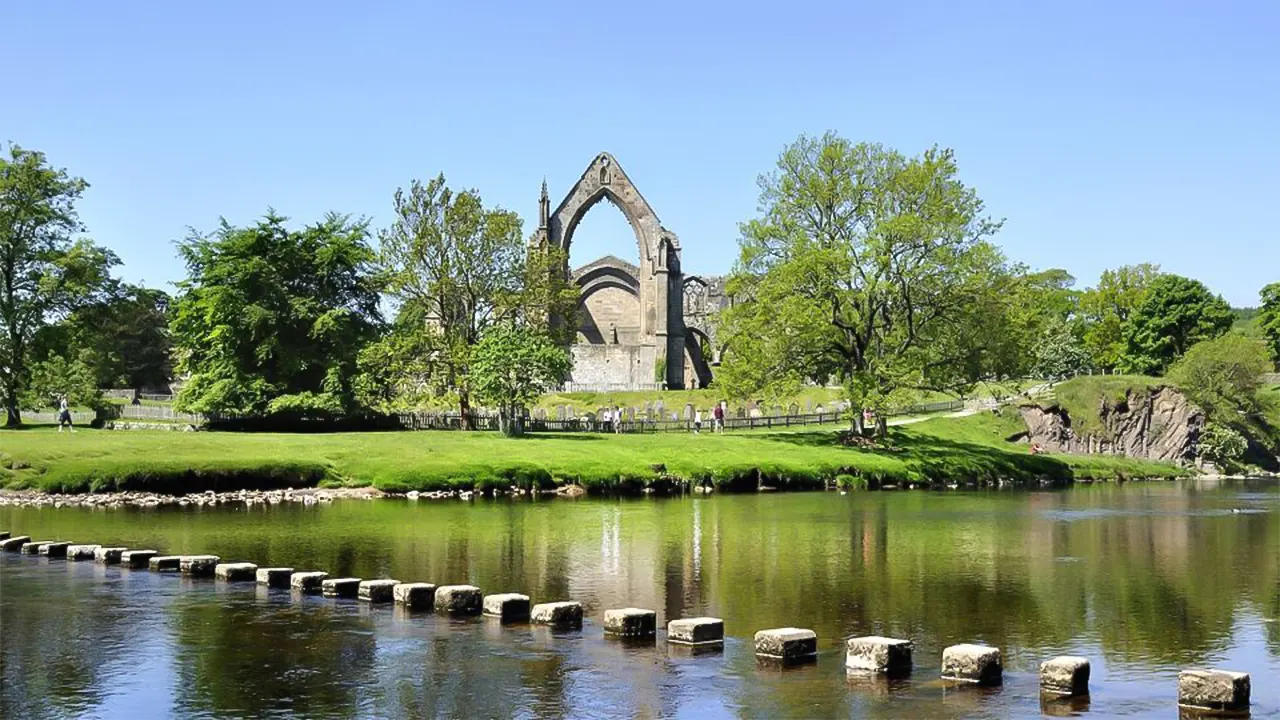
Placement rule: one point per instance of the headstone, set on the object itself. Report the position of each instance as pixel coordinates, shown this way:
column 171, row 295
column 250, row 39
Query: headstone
column 347, row 587
column 277, row 577
column 137, row 558
column 1218, row 690
column 458, row 599
column 236, row 572
column 688, row 411
column 109, row 555
column 507, row 607
column 977, row 664
column 198, row 565
column 307, row 582
column 631, row 622
column 875, row 654
column 808, row 406
column 787, row 645
column 1065, row 675
column 414, row 596
column 557, row 614
column 631, row 414
column 696, row 631
column 377, row 591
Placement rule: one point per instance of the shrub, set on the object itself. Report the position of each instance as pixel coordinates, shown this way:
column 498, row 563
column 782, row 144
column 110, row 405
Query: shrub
column 1222, row 445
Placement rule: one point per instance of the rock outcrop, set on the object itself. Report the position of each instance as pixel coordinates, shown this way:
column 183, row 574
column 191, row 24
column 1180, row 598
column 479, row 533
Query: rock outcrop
column 1158, row 423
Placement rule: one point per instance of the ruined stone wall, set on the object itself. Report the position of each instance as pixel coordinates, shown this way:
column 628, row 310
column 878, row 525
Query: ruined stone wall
column 606, row 312
column 613, row 366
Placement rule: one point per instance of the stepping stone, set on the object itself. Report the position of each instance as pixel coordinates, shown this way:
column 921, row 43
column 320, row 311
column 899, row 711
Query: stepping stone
column 458, row 599
column 1218, row 690
column 55, row 549
column 977, row 664
column 377, row 591
column 137, row 558
column 274, row 577
column 1065, row 675
column 236, row 572
column 875, row 654
column 631, row 623
column 340, row 587
column 307, row 582
column 82, row 552
column 414, row 596
column 696, row 631
column 33, row 548
column 558, row 614
column 4, row 535
column 507, row 607
column 165, row 563
column 788, row 645
column 109, row 555
column 198, row 565
column 14, row 544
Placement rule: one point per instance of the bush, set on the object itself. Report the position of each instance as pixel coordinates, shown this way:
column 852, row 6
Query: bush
column 1223, row 376
column 845, row 481
column 1222, row 445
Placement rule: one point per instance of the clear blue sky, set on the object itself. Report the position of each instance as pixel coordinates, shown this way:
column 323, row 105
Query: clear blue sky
column 1105, row 133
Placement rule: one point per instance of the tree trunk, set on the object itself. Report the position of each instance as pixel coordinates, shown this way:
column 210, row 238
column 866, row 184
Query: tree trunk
column 856, row 421
column 882, row 426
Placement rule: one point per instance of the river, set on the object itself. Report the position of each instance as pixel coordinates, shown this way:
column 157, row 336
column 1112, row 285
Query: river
column 1144, row 579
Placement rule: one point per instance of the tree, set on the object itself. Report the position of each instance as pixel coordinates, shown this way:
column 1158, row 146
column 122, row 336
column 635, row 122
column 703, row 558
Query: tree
column 44, row 273
column 123, row 337
column 1269, row 320
column 1223, row 376
column 1059, row 353
column 512, row 365
column 1176, row 313
column 867, row 266
column 1106, row 310
column 56, row 377
column 271, row 319
column 452, row 266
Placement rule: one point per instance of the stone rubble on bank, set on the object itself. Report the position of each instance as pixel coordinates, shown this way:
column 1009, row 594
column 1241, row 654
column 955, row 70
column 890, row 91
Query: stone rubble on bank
column 33, row 498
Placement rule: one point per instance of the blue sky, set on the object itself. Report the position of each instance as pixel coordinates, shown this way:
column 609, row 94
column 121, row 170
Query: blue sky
column 1104, row 133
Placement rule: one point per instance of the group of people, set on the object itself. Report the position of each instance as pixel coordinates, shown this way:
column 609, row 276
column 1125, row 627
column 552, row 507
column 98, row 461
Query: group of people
column 614, row 418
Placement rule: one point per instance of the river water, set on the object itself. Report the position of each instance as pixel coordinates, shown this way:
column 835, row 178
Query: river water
column 1144, row 579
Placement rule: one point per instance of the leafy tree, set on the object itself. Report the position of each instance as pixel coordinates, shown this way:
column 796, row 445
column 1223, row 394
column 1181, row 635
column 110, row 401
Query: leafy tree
column 1059, row 353
column 272, row 319
column 868, row 266
column 1223, row 376
column 1106, row 310
column 512, row 365
column 56, row 377
column 1176, row 313
column 123, row 336
column 1269, row 320
column 452, row 266
column 44, row 273
column 1222, row 445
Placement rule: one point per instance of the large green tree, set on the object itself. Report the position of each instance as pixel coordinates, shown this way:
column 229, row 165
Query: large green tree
column 1223, row 376
column 512, row 365
column 1269, row 320
column 1176, row 313
column 271, row 319
column 868, row 266
column 1106, row 308
column 45, row 272
column 123, row 337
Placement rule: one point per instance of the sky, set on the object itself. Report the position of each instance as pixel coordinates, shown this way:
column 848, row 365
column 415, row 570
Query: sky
column 1103, row 133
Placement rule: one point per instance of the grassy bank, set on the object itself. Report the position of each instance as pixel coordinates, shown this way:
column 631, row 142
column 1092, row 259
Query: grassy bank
column 940, row 450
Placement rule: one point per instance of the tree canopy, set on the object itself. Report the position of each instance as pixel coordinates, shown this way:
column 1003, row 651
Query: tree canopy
column 1106, row 309
column 512, row 365
column 1175, row 314
column 272, row 319
column 1269, row 320
column 1223, row 375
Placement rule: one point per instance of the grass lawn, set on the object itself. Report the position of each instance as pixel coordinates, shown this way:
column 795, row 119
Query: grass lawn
column 937, row 450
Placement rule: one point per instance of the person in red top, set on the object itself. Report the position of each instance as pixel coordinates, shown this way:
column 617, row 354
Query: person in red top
column 717, row 416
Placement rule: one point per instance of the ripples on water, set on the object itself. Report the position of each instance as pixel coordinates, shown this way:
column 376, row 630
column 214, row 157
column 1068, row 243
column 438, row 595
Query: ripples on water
column 1144, row 579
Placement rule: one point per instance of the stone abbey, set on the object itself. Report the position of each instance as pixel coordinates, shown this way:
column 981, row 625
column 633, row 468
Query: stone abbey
column 643, row 326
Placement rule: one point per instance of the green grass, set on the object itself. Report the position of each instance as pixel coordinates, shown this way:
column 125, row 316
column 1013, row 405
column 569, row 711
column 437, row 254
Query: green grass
column 937, row 451
column 1082, row 397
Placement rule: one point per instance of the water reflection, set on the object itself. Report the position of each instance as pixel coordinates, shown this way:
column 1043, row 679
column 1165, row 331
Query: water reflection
column 1143, row 579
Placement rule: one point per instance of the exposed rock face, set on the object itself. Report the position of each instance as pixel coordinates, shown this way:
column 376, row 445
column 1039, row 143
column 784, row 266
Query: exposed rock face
column 1155, row 424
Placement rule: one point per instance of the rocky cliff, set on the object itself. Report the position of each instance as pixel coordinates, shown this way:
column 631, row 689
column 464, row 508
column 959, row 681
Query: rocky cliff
column 1155, row 423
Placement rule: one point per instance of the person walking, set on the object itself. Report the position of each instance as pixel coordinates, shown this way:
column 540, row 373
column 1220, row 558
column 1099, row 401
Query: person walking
column 617, row 420
column 64, row 415
column 697, row 421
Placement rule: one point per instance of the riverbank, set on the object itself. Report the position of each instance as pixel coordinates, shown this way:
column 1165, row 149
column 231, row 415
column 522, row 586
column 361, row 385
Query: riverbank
column 937, row 452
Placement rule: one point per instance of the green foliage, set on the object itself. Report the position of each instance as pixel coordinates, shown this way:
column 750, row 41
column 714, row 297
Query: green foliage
column 1222, row 445
column 44, row 273
column 866, row 266
column 1176, row 313
column 1269, row 320
column 1059, row 353
column 268, row 312
column 512, row 365
column 123, row 336
column 56, row 377
column 1223, row 376
column 660, row 370
column 1105, row 310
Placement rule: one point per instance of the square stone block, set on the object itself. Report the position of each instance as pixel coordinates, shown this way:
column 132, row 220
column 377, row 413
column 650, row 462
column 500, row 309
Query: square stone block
column 377, row 591
column 340, row 587
column 507, row 607
column 1065, row 675
column 236, row 572
column 558, row 614
column 164, row 563
column 631, row 622
column 977, row 664
column 1220, row 690
column 198, row 565
column 137, row 558
column 787, row 644
column 276, row 577
column 4, row 535
column 33, row 547
column 696, row 631
column 307, row 582
column 14, row 544
column 82, row 552
column 458, row 599
column 876, row 654
column 54, row 549
column 415, row 596
column 109, row 555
